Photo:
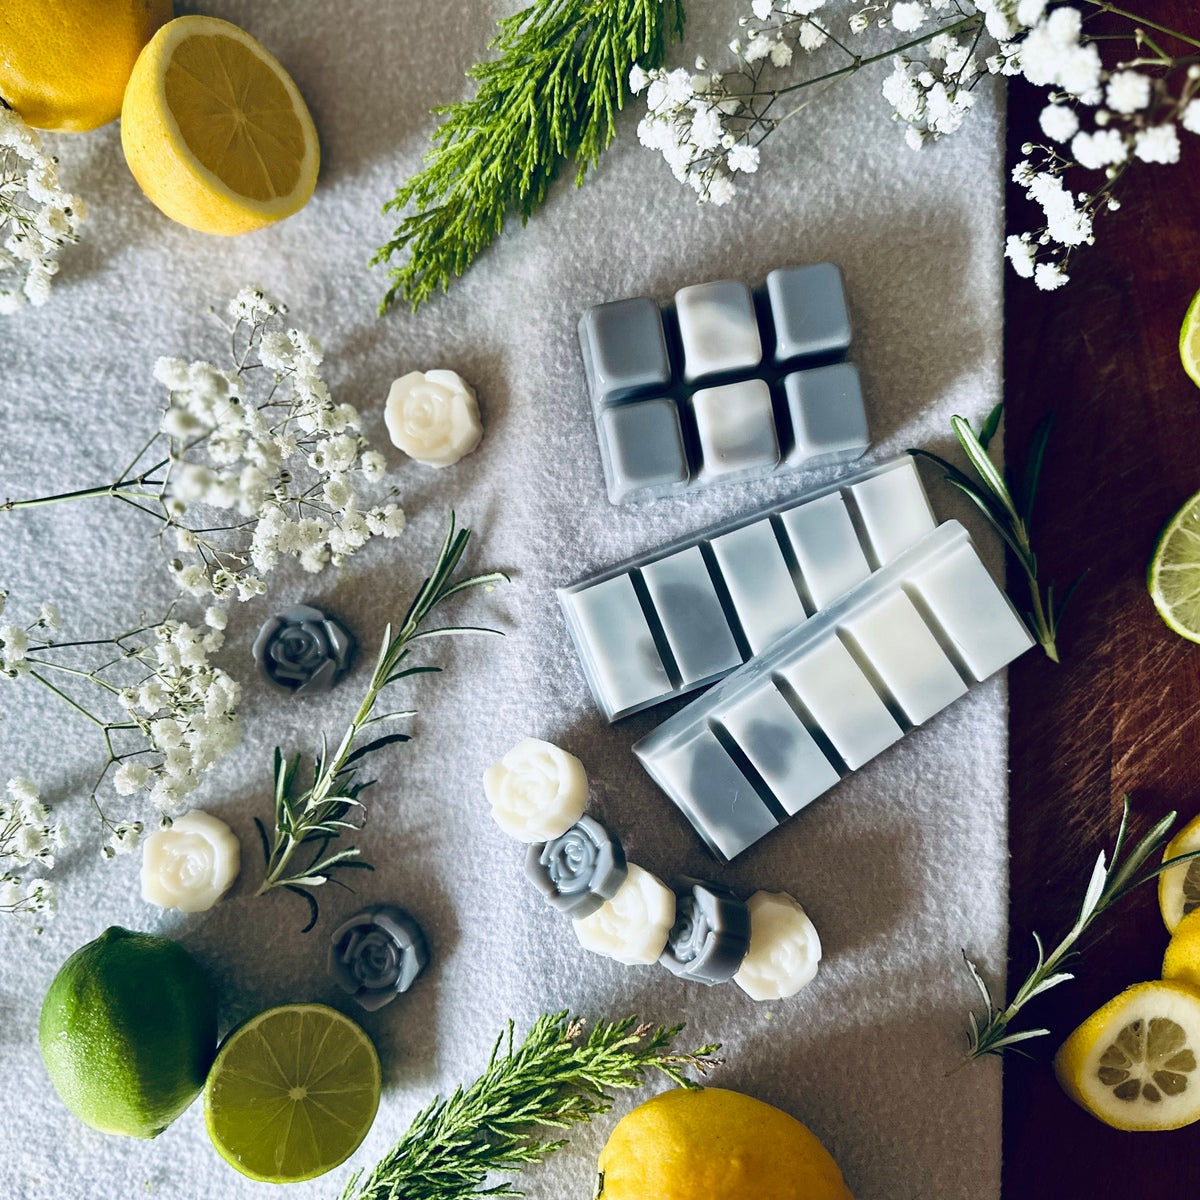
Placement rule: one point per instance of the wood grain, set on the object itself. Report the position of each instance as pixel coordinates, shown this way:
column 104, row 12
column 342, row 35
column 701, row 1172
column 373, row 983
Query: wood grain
column 1122, row 712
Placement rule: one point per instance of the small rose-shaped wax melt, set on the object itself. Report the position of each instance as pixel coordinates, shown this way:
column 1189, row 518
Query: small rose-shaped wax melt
column 784, row 948
column 537, row 791
column 303, row 651
column 190, row 865
column 578, row 870
column 632, row 927
column 377, row 954
column 711, row 933
column 433, row 416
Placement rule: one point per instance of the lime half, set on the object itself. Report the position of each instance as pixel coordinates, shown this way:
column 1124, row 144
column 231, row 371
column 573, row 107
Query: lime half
column 292, row 1093
column 1189, row 340
column 1174, row 576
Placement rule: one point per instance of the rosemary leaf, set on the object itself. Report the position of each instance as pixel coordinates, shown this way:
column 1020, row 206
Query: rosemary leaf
column 551, row 96
column 316, row 816
column 554, row 1079
column 1106, row 885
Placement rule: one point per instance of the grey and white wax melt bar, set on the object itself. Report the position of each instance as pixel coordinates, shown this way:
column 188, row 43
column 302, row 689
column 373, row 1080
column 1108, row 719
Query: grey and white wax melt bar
column 687, row 613
column 723, row 383
column 827, row 697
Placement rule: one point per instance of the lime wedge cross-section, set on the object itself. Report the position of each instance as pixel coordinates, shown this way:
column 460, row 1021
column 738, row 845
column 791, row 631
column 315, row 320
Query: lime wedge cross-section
column 292, row 1093
column 1174, row 575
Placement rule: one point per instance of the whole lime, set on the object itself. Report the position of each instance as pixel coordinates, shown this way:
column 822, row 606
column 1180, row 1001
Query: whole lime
column 713, row 1144
column 128, row 1032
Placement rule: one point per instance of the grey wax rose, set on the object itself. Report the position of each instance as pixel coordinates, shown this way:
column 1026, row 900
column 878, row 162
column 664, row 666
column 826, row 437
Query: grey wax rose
column 711, row 933
column 303, row 650
column 578, row 870
column 377, row 954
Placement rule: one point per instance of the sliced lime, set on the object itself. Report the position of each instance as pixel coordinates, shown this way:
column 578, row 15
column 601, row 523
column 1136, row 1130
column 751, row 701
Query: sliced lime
column 292, row 1093
column 1189, row 340
column 1174, row 576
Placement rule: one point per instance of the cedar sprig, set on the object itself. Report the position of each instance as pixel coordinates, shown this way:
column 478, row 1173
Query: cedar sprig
column 1111, row 880
column 551, row 96
column 307, row 822
column 554, row 1079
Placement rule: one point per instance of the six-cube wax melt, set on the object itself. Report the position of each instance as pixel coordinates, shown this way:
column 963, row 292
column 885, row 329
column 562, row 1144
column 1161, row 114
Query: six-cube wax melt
column 688, row 613
column 724, row 383
column 827, row 697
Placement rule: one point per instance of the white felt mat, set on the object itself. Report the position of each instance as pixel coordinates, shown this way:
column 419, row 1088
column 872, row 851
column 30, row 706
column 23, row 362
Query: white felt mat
column 900, row 867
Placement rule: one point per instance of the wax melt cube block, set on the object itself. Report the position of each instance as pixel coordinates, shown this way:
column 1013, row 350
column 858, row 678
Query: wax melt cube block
column 736, row 427
column 829, row 695
column 711, row 934
column 829, row 420
column 624, row 347
column 717, row 328
column 677, row 617
column 645, row 448
column 808, row 308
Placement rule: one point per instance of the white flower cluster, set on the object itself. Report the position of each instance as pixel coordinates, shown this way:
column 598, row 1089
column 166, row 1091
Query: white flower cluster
column 28, row 837
column 14, row 640
column 933, row 96
column 37, row 218
column 281, row 454
column 185, row 708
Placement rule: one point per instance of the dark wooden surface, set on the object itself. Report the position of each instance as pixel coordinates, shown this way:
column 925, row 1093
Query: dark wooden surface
column 1122, row 712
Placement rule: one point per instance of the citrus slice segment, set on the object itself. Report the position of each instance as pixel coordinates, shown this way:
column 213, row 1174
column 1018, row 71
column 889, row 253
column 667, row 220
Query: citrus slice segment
column 1189, row 340
column 1181, row 962
column 215, row 131
column 1133, row 1063
column 1179, row 886
column 1174, row 575
column 292, row 1093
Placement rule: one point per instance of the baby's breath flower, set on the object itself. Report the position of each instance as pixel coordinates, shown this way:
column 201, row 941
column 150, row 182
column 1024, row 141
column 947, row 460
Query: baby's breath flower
column 28, row 837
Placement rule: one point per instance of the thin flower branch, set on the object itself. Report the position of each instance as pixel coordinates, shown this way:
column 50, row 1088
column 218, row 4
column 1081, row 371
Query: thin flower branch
column 307, row 822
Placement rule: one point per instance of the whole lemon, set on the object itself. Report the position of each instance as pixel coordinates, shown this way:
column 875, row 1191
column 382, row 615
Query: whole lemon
column 128, row 1032
column 64, row 64
column 712, row 1144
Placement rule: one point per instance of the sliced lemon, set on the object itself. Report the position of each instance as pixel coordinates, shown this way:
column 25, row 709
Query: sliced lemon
column 215, row 131
column 1133, row 1063
column 292, row 1093
column 1189, row 340
column 1179, row 886
column 1174, row 575
column 1181, row 962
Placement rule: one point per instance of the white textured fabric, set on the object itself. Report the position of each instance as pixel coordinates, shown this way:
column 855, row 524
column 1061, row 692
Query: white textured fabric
column 900, row 867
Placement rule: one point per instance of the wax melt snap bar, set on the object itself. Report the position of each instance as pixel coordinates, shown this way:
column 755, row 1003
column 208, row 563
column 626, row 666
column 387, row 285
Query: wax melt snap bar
column 835, row 691
column 723, row 383
column 689, row 612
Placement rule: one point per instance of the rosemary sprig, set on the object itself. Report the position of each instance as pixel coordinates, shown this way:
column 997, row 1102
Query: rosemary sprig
column 1108, row 883
column 312, row 819
column 1010, row 515
column 554, row 1079
column 551, row 96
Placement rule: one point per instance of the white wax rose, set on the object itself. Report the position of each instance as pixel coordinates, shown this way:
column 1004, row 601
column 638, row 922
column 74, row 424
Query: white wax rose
column 784, row 948
column 537, row 791
column 633, row 926
column 433, row 416
column 191, row 865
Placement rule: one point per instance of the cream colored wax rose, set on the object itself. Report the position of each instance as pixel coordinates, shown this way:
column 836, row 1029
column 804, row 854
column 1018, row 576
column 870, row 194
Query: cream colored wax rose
column 191, row 865
column 433, row 417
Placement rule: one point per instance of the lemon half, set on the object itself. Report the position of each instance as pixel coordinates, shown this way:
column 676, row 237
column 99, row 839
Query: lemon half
column 215, row 131
column 1179, row 886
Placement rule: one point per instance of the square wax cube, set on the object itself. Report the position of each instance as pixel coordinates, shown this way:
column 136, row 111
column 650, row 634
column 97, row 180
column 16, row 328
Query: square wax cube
column 905, row 656
column 829, row 420
column 713, row 793
column 808, row 308
column 616, row 647
column 718, row 328
column 894, row 510
column 736, row 427
column 832, row 686
column 827, row 549
column 645, row 448
column 691, row 615
column 623, row 348
column 759, row 583
column 778, row 744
